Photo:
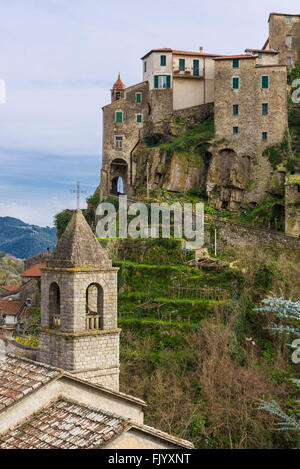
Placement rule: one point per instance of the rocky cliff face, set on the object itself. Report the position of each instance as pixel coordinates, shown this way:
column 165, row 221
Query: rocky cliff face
column 181, row 153
column 175, row 150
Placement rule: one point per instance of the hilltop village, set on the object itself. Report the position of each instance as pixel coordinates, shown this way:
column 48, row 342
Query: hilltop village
column 147, row 344
column 242, row 97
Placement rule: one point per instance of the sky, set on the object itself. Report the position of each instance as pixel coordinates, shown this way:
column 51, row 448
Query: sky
column 58, row 61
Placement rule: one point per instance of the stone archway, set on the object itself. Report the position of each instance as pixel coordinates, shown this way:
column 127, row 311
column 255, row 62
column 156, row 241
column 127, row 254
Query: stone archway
column 118, row 169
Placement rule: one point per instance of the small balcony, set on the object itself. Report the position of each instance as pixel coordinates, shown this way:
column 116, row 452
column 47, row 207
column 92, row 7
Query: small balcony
column 188, row 73
column 93, row 322
column 55, row 321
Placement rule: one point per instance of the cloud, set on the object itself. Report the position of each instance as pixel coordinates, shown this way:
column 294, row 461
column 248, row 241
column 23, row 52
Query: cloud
column 59, row 59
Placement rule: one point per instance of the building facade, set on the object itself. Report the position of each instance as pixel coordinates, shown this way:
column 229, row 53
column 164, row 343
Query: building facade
column 79, row 308
column 284, row 37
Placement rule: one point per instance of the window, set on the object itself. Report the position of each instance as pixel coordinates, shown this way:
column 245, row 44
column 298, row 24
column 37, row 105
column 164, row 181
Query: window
column 139, row 118
column 289, row 61
column 235, row 109
column 288, row 20
column 265, row 81
column 138, row 97
column 265, row 136
column 196, row 68
column 119, row 117
column 235, row 63
column 265, row 109
column 163, row 60
column 235, row 130
column 162, row 81
column 118, row 95
column 288, row 41
column 260, row 55
column 145, row 67
column 235, row 83
column 119, row 141
column 182, row 65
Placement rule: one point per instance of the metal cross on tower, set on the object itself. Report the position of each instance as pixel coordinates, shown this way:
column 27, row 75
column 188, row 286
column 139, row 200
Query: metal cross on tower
column 78, row 192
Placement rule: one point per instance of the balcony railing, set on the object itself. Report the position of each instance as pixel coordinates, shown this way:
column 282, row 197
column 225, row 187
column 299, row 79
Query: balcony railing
column 93, row 321
column 55, row 321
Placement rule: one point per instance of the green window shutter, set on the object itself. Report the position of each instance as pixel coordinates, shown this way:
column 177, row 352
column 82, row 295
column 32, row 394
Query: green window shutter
column 119, row 117
column 235, row 63
column 182, row 64
column 235, row 130
column 139, row 118
column 265, row 136
column 163, row 60
column 155, row 81
column 235, row 109
column 235, row 83
column 145, row 67
column 138, row 98
column 168, row 81
column 265, row 109
column 196, row 67
column 265, row 81
column 260, row 55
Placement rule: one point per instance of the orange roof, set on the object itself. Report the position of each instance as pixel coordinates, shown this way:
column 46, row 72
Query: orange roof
column 228, row 57
column 119, row 85
column 200, row 54
column 10, row 307
column 34, row 271
column 180, row 52
column 10, row 287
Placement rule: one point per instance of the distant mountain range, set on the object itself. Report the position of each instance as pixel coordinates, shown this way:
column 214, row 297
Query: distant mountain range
column 22, row 240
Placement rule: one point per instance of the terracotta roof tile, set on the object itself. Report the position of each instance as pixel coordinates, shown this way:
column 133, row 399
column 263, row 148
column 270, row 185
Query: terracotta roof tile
column 10, row 288
column 119, row 85
column 64, row 425
column 34, row 271
column 19, row 377
column 10, row 307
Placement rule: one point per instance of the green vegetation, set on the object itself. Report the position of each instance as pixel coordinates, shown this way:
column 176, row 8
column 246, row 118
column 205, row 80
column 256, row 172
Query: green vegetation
column 10, row 270
column 193, row 141
column 198, row 334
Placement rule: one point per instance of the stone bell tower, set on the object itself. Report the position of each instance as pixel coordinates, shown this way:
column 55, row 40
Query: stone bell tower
column 118, row 90
column 79, row 308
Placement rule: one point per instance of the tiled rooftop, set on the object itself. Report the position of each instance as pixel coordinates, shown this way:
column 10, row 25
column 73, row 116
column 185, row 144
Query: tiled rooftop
column 19, row 377
column 34, row 271
column 64, row 425
column 10, row 307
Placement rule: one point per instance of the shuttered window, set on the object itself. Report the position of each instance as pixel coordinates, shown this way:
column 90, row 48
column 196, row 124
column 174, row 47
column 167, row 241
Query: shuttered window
column 235, row 110
column 265, row 81
column 163, row 60
column 119, row 117
column 182, row 64
column 235, row 130
column 235, row 83
column 265, row 109
column 139, row 118
column 162, row 81
column 196, row 67
column 138, row 97
column 265, row 136
column 235, row 63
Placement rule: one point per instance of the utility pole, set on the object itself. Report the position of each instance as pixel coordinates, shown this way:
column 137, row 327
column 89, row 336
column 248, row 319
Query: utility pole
column 147, row 180
column 215, row 242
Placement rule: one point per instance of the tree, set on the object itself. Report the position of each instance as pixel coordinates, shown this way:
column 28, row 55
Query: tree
column 289, row 312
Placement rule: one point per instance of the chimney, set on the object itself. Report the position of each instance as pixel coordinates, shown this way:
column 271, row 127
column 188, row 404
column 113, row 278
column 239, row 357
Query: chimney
column 201, row 49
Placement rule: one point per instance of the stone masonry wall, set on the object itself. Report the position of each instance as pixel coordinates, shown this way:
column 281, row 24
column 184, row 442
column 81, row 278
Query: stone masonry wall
column 237, row 235
column 278, row 30
column 94, row 354
column 238, row 171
